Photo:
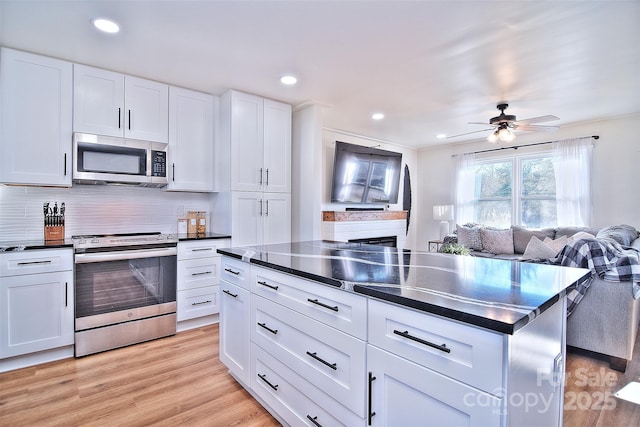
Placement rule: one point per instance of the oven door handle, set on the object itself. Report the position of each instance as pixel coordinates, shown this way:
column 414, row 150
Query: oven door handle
column 124, row 255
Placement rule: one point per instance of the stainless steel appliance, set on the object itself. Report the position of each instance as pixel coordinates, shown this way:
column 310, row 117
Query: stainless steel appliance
column 101, row 159
column 125, row 290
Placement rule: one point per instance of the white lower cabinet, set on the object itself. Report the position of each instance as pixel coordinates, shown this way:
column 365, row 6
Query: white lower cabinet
column 198, row 271
column 402, row 393
column 36, row 301
column 234, row 330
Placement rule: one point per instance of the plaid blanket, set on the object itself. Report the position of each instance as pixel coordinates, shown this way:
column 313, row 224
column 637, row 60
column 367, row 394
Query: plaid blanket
column 604, row 257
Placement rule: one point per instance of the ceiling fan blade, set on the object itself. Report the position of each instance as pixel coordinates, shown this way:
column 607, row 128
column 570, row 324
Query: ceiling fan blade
column 535, row 127
column 537, row 120
column 480, row 123
column 469, row 133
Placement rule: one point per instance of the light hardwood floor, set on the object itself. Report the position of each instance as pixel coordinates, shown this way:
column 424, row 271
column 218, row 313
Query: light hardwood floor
column 180, row 381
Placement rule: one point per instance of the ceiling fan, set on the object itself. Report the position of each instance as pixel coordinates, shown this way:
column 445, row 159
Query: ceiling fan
column 503, row 125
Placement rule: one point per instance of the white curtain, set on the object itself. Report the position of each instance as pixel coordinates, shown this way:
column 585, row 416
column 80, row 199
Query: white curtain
column 572, row 169
column 465, row 187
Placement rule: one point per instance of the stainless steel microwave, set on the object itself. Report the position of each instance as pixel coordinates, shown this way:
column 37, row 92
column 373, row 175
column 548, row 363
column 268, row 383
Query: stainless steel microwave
column 101, row 159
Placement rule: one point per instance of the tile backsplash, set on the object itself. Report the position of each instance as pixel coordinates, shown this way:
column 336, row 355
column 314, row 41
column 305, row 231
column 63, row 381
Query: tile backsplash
column 96, row 209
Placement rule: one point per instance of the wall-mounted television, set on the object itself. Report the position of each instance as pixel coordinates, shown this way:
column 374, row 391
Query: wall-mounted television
column 365, row 174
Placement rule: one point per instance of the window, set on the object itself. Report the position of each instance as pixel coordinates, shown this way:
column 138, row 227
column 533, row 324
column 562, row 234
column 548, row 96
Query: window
column 515, row 190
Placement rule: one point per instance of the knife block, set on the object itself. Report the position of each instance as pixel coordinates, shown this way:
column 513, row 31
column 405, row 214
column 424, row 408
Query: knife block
column 53, row 232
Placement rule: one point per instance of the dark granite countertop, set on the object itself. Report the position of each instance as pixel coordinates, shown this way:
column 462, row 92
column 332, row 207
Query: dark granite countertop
column 495, row 294
column 205, row 236
column 26, row 245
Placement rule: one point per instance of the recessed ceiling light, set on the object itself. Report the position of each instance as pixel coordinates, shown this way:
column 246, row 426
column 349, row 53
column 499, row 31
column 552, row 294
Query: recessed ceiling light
column 441, row 136
column 288, row 80
column 377, row 116
column 106, row 25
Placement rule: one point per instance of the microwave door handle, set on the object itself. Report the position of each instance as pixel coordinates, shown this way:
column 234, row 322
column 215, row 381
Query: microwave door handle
column 124, row 255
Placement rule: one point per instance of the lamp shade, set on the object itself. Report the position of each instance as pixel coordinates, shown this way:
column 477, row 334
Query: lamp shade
column 443, row 212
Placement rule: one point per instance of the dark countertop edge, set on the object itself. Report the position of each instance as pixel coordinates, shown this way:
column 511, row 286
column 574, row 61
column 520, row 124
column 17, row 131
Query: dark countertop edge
column 206, row 236
column 326, row 280
column 35, row 245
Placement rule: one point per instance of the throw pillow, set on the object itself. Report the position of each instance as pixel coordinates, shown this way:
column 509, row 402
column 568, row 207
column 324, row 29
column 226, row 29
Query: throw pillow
column 570, row 231
column 497, row 241
column 522, row 236
column 537, row 249
column 556, row 245
column 469, row 237
column 623, row 234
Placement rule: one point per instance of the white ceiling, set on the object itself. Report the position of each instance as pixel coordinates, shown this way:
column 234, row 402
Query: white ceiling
column 430, row 66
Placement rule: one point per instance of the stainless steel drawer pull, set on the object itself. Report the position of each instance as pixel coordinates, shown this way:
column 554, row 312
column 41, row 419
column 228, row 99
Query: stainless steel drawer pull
column 229, row 293
column 201, row 273
column 405, row 334
column 35, row 262
column 263, row 283
column 201, row 302
column 201, row 249
column 333, row 366
column 313, row 420
column 264, row 378
column 315, row 301
column 264, row 325
column 228, row 270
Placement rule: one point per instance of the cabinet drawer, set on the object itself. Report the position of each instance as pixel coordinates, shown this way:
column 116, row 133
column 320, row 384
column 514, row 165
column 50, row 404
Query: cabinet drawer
column 201, row 248
column 32, row 262
column 472, row 355
column 405, row 394
column 295, row 399
column 196, row 273
column 198, row 302
column 334, row 307
column 329, row 358
column 235, row 271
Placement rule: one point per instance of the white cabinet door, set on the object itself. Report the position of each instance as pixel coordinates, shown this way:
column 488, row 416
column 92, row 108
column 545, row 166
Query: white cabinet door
column 276, row 218
column 146, row 104
column 98, row 101
column 247, row 142
column 247, row 209
column 35, row 119
column 277, row 147
column 405, row 394
column 190, row 140
column 234, row 330
column 36, row 312
column 109, row 103
column 260, row 218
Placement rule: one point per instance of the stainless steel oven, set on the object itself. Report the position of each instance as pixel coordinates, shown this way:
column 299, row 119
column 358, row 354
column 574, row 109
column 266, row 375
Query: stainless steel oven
column 125, row 290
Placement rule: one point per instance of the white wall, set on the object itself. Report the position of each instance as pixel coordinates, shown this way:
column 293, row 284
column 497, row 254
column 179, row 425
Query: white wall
column 409, row 157
column 616, row 162
column 95, row 209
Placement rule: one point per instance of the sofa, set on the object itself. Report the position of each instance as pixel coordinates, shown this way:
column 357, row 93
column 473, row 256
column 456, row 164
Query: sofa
column 605, row 320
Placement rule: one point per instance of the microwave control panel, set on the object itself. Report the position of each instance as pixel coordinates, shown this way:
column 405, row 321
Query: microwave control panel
column 158, row 163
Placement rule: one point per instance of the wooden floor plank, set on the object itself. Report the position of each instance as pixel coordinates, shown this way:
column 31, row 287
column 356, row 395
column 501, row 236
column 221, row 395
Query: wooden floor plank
column 179, row 380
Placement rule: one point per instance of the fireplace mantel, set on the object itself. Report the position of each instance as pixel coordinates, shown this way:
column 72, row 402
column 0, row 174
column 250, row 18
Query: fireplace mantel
column 343, row 226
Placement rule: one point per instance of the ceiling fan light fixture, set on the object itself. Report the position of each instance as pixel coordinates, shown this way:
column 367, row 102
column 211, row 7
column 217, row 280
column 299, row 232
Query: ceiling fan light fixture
column 505, row 134
column 493, row 137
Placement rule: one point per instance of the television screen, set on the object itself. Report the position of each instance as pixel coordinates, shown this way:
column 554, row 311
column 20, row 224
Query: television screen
column 365, row 175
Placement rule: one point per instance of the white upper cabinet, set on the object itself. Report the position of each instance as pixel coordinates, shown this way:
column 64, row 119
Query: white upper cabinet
column 113, row 104
column 35, row 119
column 260, row 139
column 190, row 151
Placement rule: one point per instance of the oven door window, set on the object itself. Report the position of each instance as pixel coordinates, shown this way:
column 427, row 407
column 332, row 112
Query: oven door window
column 109, row 286
column 111, row 159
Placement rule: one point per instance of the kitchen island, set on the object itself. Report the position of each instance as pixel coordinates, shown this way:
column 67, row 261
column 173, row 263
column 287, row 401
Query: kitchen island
column 328, row 333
